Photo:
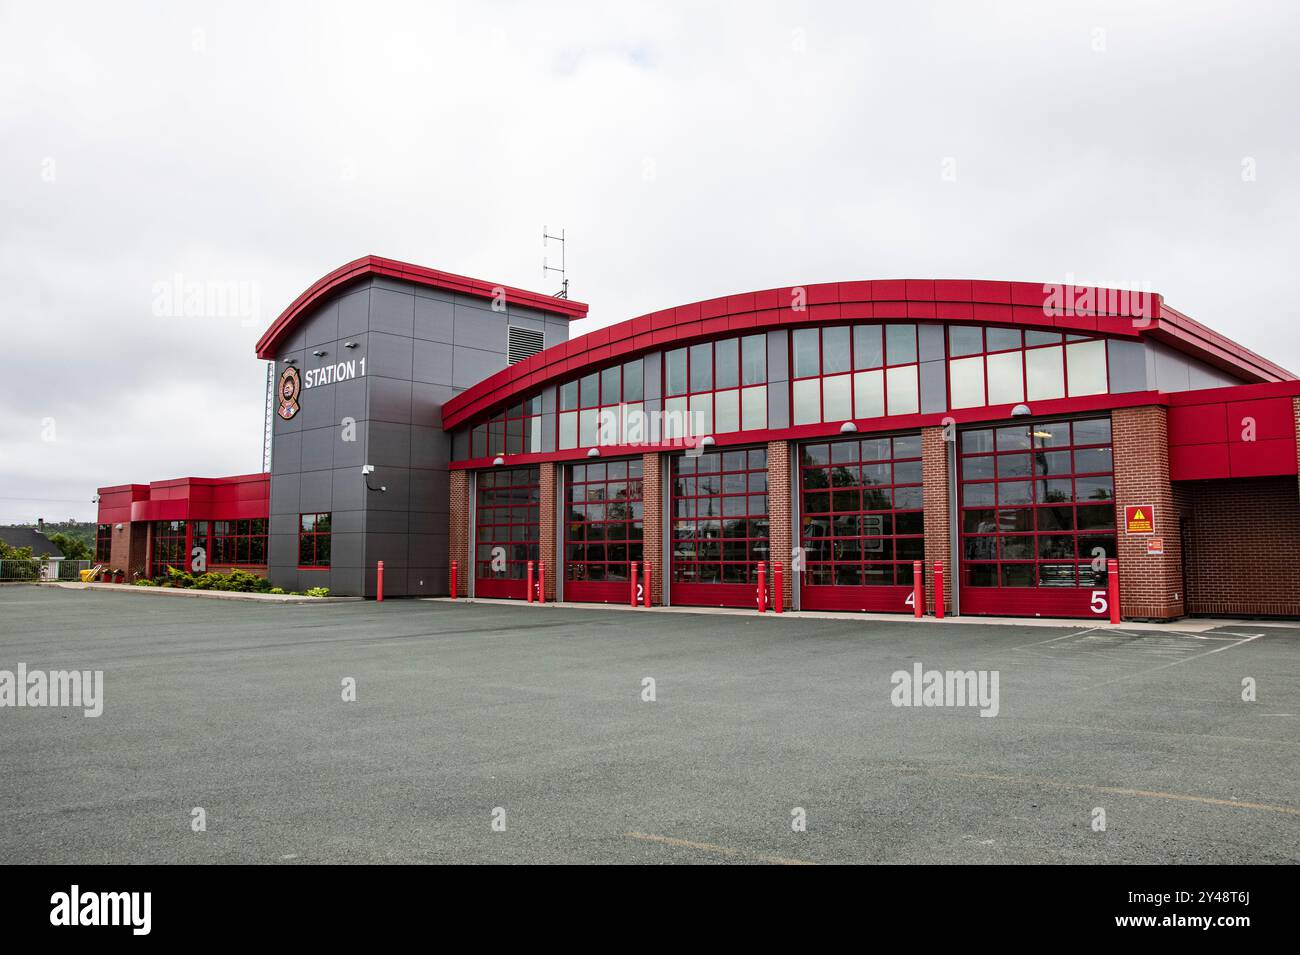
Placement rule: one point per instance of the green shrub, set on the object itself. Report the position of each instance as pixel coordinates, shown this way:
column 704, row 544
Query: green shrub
column 318, row 592
column 276, row 590
column 145, row 582
column 237, row 580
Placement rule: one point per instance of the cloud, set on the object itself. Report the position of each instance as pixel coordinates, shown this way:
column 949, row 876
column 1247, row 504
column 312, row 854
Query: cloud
column 690, row 150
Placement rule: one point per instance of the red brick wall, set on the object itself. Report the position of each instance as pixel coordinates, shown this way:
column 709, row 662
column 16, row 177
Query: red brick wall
column 779, row 517
column 652, row 521
column 549, row 473
column 127, row 549
column 938, row 529
column 1151, row 587
column 1242, row 539
column 458, row 531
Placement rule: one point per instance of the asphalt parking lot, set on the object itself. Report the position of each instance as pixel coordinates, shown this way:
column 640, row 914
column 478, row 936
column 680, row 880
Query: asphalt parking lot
column 465, row 709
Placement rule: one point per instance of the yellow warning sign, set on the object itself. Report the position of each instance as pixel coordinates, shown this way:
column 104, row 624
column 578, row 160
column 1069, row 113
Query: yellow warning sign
column 1140, row 519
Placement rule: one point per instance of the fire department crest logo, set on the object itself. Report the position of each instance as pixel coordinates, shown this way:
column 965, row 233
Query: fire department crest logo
column 290, row 388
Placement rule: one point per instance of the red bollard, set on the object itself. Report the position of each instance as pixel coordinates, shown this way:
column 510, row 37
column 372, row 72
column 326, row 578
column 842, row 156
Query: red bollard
column 379, row 583
column 938, row 589
column 1112, row 588
column 530, row 581
column 453, row 580
column 778, row 589
column 918, row 589
column 645, row 591
column 634, row 577
column 762, row 586
column 541, row 581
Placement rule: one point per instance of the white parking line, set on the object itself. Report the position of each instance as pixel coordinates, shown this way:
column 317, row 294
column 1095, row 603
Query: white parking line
column 1177, row 662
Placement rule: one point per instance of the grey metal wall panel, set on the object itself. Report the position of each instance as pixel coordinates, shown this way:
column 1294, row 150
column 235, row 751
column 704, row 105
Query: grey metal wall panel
column 1128, row 366
column 323, row 327
column 934, row 386
column 390, row 399
column 316, row 492
column 288, row 454
column 389, row 356
column 653, row 363
column 433, row 320
column 318, row 449
column 472, row 365
column 930, row 342
column 349, row 489
column 354, row 313
column 430, row 448
column 392, row 312
column 778, row 355
column 432, row 362
column 284, row 494
column 479, row 328
column 388, row 445
column 778, row 404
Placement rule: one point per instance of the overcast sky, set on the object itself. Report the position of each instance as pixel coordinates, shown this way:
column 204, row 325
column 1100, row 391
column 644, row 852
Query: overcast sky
column 690, row 150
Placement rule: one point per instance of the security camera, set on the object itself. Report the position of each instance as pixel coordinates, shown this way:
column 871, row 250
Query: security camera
column 367, row 469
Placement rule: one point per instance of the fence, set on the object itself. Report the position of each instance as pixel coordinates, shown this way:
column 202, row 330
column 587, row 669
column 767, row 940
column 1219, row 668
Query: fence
column 34, row 570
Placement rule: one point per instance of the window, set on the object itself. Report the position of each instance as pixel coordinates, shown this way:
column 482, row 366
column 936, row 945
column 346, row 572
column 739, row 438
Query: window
column 720, row 523
column 167, row 547
column 604, row 408
column 238, row 542
column 103, row 542
column 861, row 511
column 1037, row 504
column 506, row 522
column 717, row 387
column 314, row 540
column 1002, row 366
column 603, row 520
column 517, row 430
column 860, row 371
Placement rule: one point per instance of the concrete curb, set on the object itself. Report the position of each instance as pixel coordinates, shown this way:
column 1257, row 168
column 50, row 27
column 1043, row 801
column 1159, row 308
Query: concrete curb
column 1193, row 625
column 211, row 594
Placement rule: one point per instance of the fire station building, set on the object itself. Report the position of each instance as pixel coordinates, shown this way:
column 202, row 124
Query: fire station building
column 1017, row 435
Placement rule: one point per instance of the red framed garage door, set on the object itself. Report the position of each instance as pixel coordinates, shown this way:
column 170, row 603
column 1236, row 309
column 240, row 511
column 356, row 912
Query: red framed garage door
column 1037, row 518
column 507, row 509
column 861, row 523
column 719, row 527
column 602, row 530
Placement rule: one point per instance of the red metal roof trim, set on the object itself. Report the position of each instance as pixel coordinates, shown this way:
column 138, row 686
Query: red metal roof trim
column 1004, row 303
column 344, row 275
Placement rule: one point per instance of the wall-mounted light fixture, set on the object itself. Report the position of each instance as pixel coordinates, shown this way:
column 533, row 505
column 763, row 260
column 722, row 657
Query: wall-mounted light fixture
column 320, row 354
column 593, row 452
column 498, row 460
column 349, row 344
column 707, row 441
column 291, row 361
column 1019, row 411
column 848, row 427
column 366, row 471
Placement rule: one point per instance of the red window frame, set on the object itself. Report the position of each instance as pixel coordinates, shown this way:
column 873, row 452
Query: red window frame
column 239, row 543
column 103, row 542
column 1061, row 340
column 1010, row 544
column 701, row 486
column 313, row 542
column 510, row 432
column 168, row 546
column 840, row 525
column 853, row 367
column 740, row 387
column 603, row 529
column 507, row 513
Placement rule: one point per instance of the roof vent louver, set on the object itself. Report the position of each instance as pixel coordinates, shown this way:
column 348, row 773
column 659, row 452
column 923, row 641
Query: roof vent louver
column 524, row 343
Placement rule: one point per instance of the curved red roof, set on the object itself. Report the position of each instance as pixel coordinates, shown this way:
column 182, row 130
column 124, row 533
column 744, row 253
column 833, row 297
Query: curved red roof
column 1131, row 315
column 356, row 270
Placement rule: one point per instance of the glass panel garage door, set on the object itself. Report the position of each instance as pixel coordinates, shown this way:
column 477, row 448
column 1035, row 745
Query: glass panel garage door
column 720, row 527
column 1037, row 518
column 602, row 530
column 861, row 523
column 507, row 509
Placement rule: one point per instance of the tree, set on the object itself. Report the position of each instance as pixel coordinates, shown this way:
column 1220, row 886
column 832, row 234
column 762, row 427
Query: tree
column 73, row 548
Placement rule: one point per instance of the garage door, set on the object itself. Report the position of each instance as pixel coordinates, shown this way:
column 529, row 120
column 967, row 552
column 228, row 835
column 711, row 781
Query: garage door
column 861, row 523
column 507, row 508
column 602, row 529
column 719, row 527
column 1037, row 518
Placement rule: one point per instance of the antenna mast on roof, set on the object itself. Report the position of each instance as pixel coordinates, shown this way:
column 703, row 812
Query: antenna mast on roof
column 564, row 283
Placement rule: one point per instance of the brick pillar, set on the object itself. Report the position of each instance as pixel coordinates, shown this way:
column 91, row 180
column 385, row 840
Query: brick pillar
column 127, row 549
column 779, row 515
column 652, row 524
column 458, row 532
column 938, row 524
column 1151, row 587
column 549, row 475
